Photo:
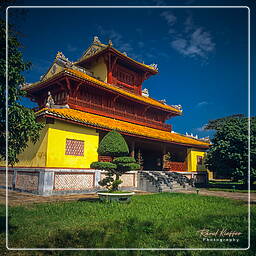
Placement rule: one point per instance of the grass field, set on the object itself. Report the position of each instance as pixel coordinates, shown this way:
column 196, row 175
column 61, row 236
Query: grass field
column 165, row 220
column 231, row 190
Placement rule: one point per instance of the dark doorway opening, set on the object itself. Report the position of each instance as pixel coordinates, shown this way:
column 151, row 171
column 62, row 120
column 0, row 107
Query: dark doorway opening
column 152, row 160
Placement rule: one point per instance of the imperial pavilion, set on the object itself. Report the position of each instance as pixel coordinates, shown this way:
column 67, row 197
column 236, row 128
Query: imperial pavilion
column 81, row 101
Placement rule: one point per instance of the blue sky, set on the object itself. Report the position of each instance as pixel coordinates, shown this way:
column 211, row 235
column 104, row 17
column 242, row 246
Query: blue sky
column 201, row 53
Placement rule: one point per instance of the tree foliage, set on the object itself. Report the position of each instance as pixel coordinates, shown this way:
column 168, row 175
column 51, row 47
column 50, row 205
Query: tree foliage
column 22, row 125
column 114, row 144
column 228, row 154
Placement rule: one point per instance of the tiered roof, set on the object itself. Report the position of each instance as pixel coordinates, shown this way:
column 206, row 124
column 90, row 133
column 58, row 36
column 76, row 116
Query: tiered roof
column 97, row 48
column 81, row 75
column 121, row 126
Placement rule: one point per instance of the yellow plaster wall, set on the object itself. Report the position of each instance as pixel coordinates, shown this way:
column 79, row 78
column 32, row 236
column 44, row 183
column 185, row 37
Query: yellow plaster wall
column 99, row 69
column 57, row 135
column 192, row 160
column 210, row 175
column 35, row 154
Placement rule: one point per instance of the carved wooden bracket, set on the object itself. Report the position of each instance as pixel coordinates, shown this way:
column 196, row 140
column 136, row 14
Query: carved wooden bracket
column 115, row 98
column 68, row 84
column 74, row 94
column 145, row 110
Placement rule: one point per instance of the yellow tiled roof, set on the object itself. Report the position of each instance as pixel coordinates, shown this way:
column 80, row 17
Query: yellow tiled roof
column 122, row 126
column 142, row 64
column 132, row 95
column 82, row 75
column 104, row 47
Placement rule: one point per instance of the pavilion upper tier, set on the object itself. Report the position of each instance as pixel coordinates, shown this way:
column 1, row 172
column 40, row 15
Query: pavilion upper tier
column 106, row 82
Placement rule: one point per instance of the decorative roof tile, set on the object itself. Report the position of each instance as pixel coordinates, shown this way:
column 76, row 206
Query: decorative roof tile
column 122, row 126
column 86, row 77
column 132, row 95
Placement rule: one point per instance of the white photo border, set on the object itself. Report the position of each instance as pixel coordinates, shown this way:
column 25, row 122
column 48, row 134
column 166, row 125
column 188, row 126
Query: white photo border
column 249, row 115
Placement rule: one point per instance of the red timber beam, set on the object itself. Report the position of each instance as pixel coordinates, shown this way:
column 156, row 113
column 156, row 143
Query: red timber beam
column 75, row 91
column 110, row 62
column 90, row 83
column 68, row 84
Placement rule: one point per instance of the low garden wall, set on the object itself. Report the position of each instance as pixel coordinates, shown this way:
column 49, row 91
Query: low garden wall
column 44, row 181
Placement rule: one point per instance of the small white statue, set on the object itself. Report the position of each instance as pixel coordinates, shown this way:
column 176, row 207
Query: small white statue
column 163, row 101
column 145, row 92
column 110, row 43
column 96, row 40
column 50, row 101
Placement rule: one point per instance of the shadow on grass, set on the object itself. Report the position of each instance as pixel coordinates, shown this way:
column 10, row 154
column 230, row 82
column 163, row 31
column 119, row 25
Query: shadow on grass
column 11, row 228
column 88, row 200
column 135, row 233
column 115, row 234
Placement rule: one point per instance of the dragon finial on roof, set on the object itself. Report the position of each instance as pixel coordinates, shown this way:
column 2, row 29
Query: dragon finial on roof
column 96, row 40
column 110, row 43
column 153, row 65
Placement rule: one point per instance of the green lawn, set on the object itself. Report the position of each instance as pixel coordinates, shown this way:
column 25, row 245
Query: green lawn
column 165, row 220
column 231, row 190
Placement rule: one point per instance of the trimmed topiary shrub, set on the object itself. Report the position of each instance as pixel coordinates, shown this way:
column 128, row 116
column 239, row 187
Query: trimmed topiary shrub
column 113, row 144
column 103, row 165
column 124, row 159
column 122, row 168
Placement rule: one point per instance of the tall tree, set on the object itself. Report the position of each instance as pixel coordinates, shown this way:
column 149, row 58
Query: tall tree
column 228, row 154
column 22, row 125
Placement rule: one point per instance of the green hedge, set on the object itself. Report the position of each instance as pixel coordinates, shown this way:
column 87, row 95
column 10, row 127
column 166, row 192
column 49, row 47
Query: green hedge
column 128, row 167
column 103, row 165
column 113, row 144
column 124, row 159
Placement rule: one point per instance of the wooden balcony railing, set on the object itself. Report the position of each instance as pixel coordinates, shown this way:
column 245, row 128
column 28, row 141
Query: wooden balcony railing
column 124, row 114
column 175, row 166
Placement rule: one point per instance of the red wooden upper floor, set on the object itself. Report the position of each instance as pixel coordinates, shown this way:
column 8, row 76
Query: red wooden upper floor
column 104, row 82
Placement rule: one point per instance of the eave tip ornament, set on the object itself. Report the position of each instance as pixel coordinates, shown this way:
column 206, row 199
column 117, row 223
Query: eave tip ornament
column 179, row 107
column 154, row 66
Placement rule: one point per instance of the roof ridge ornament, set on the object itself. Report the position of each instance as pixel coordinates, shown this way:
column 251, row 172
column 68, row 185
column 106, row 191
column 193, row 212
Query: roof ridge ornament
column 179, row 107
column 96, row 40
column 145, row 92
column 163, row 101
column 206, row 139
column 61, row 59
column 110, row 43
column 154, row 65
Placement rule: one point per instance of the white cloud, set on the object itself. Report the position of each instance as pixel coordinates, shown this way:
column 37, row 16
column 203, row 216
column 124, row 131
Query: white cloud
column 116, row 38
column 196, row 44
column 202, row 103
column 190, row 40
column 201, row 129
column 169, row 17
column 129, row 46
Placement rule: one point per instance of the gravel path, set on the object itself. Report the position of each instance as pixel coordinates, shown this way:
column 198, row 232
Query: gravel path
column 18, row 198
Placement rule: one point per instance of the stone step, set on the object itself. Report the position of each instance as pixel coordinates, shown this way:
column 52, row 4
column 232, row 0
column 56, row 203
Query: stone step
column 160, row 181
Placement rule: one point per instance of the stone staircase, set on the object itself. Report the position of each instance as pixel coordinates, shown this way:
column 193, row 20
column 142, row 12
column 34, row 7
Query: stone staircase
column 161, row 181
